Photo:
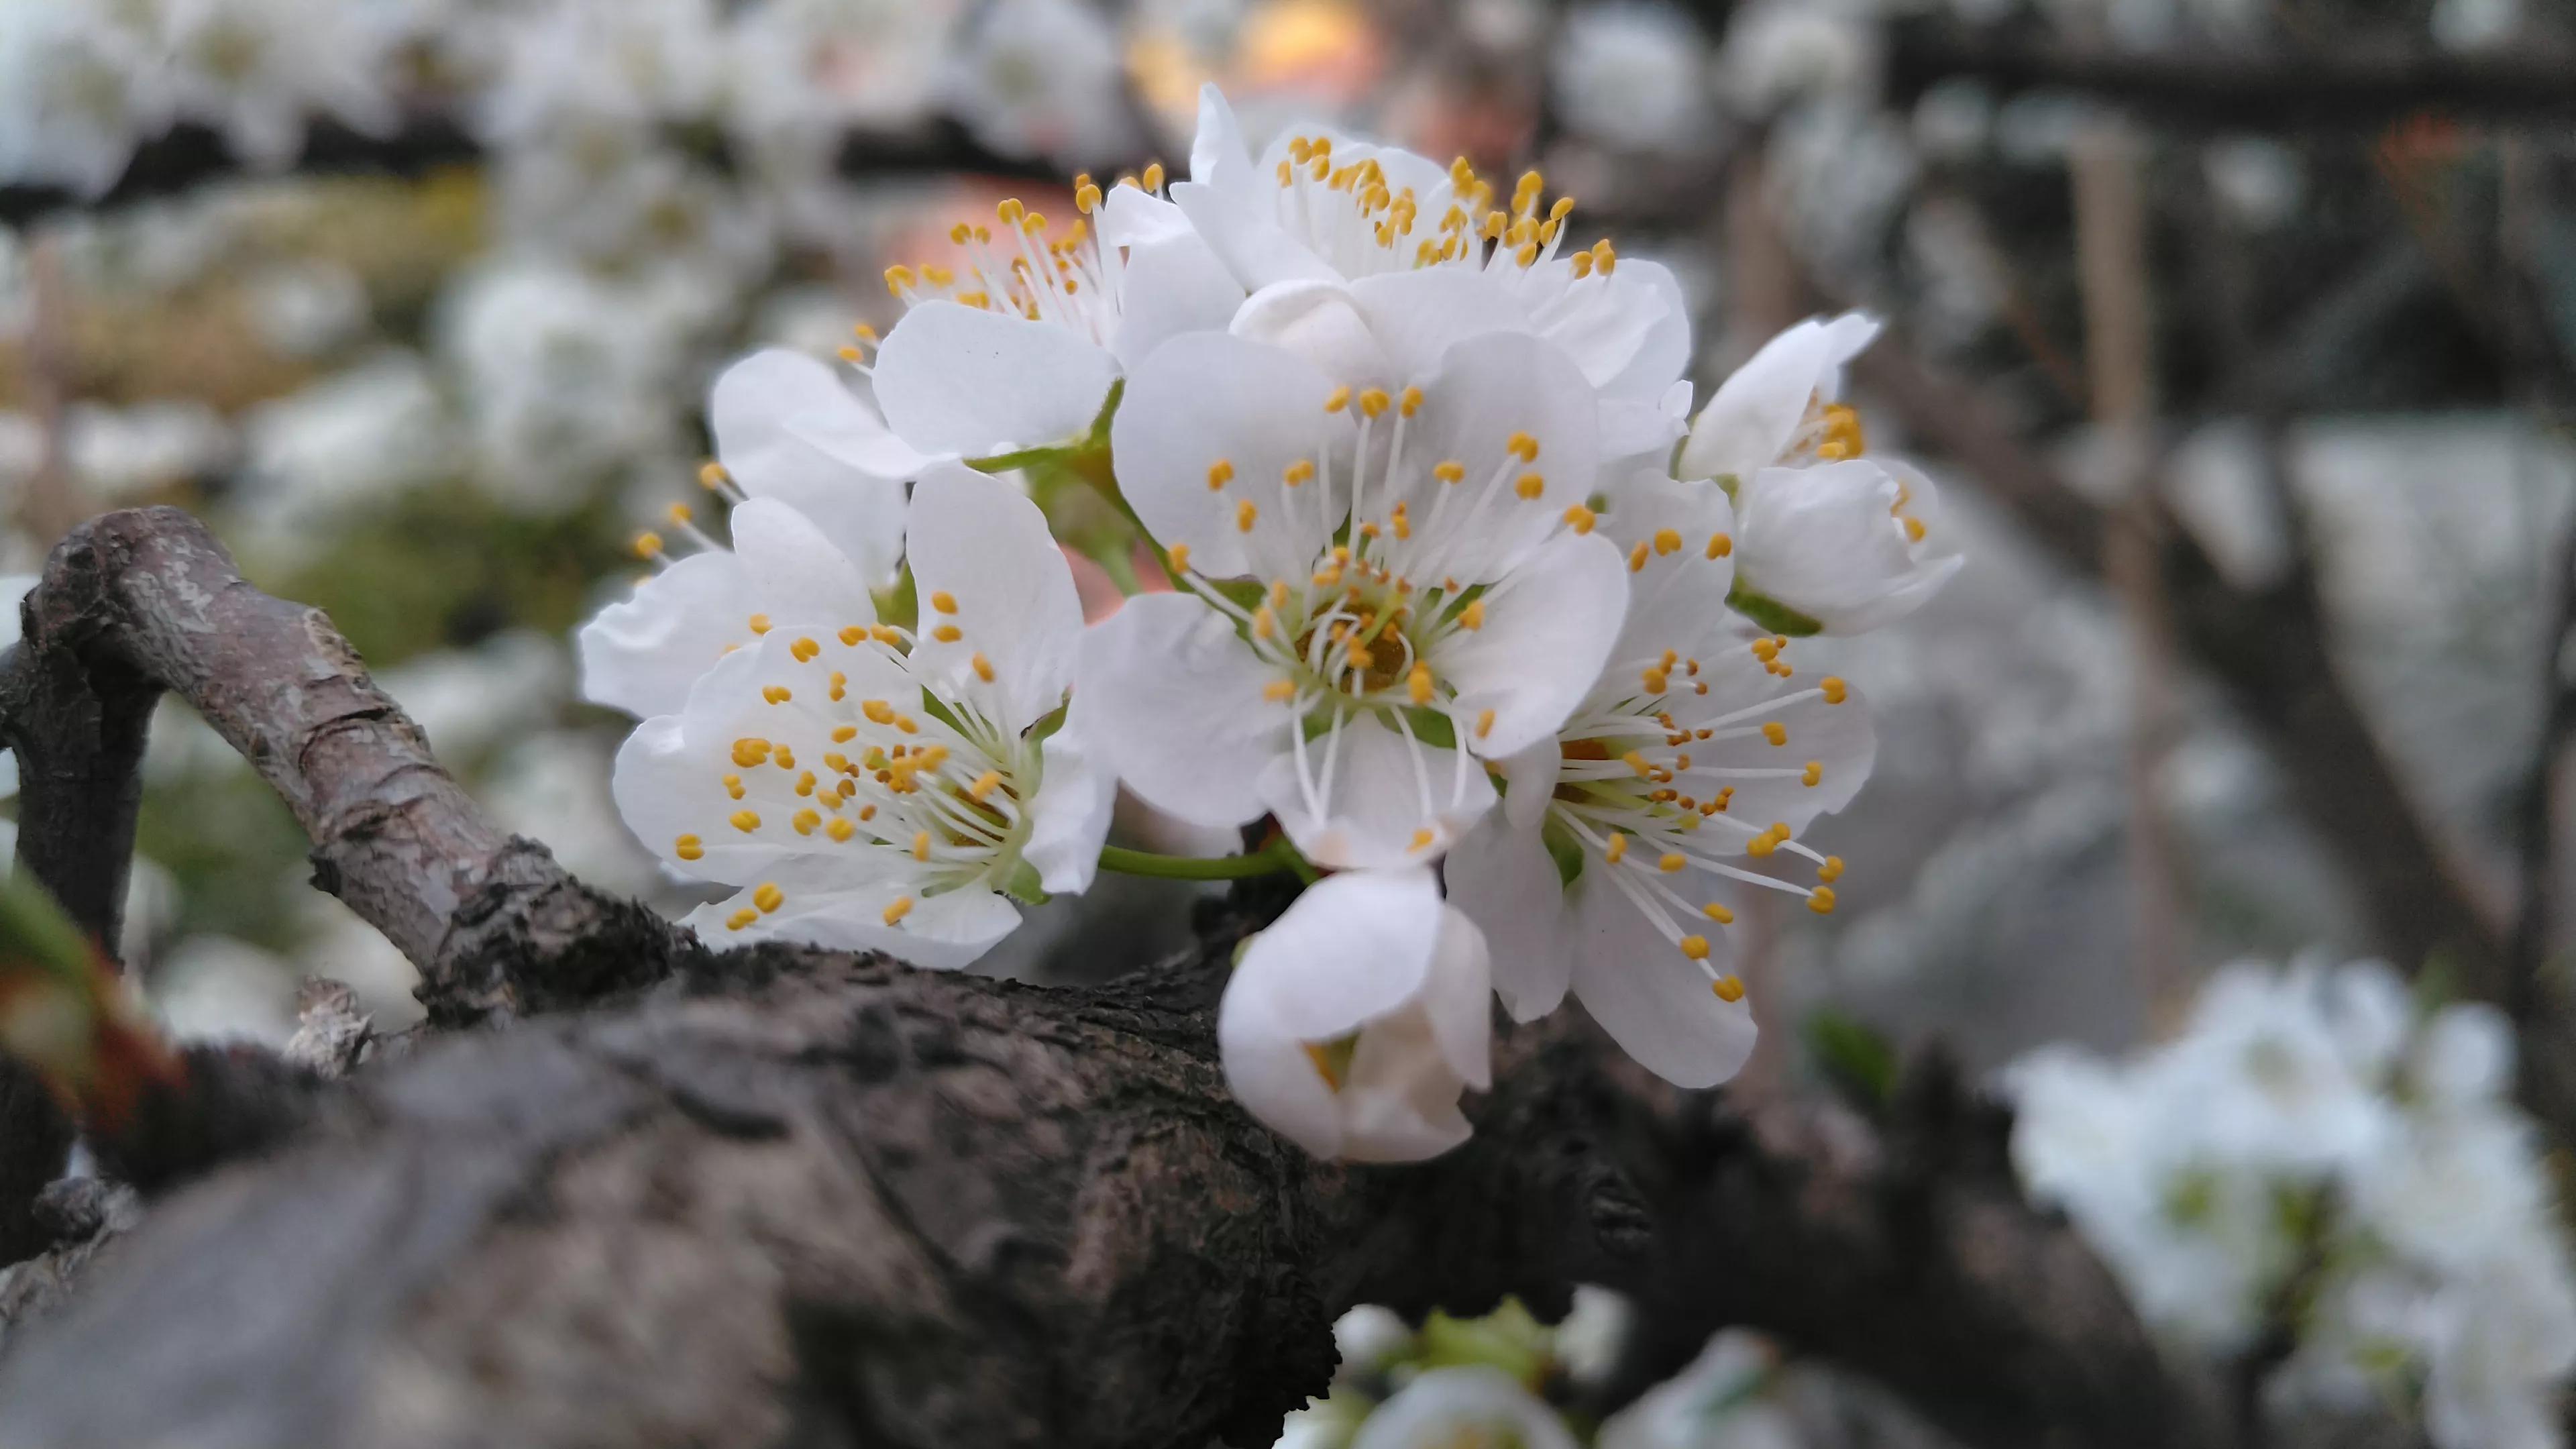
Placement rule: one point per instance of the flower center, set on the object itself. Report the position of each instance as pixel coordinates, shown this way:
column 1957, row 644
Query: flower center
column 1070, row 280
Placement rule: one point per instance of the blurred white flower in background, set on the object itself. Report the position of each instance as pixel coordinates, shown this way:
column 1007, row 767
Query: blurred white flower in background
column 76, row 93
column 1633, row 74
column 257, row 70
column 314, row 458
column 1778, row 52
column 1043, row 78
column 1475, row 1404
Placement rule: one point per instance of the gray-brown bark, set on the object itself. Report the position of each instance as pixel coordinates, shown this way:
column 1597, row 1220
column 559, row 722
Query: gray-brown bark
column 785, row 1197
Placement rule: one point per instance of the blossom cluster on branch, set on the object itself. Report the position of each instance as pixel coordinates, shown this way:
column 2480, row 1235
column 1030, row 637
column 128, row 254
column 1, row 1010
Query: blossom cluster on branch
column 1453, row 589
column 2323, row 1179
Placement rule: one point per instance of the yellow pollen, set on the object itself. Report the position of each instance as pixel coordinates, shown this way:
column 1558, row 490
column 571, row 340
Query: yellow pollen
column 921, row 845
column 1914, row 530
column 1373, row 402
column 712, row 475
column 733, row 786
column 1636, row 760
column 897, row 909
column 1718, row 913
column 1821, row 900
column 759, row 623
column 1729, row 989
column 1761, row 846
column 1655, row 681
column 750, row 750
column 1245, row 515
column 1154, row 177
column 1719, row 545
column 840, row 686
column 898, row 278
column 741, row 918
column 776, row 693
column 1523, row 445
column 1410, row 403
column 1417, row 684
column 1010, row 211
column 1338, row 399
column 1450, row 471
column 852, row 634
column 1297, row 472
column 947, row 633
column 1695, row 947
column 688, row 847
column 745, row 821
column 1531, row 485
column 1814, row 773
column 805, row 650
column 841, row 830
column 1421, row 839
column 1472, row 616
column 1831, row 870
column 1279, row 691
column 1087, row 200
column 1617, row 848
column 983, row 668
column 805, row 821
column 1835, row 690
column 1220, row 473
column 648, row 544
column 1776, row 732
column 1580, row 518
column 985, row 784
column 1667, row 541
column 1582, row 264
column 1484, row 724
column 1637, row 558
column 1264, row 623
column 1671, row 862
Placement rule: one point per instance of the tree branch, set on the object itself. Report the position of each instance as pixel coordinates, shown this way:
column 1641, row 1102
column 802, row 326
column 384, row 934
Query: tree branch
column 2202, row 90
column 801, row 1197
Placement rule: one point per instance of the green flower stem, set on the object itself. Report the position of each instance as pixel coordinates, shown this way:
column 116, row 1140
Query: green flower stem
column 1272, row 859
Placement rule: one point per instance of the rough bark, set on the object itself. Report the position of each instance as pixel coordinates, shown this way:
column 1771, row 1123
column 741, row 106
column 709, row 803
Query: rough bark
column 793, row 1197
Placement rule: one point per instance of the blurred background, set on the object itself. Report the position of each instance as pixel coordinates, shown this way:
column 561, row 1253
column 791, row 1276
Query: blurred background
column 2240, row 333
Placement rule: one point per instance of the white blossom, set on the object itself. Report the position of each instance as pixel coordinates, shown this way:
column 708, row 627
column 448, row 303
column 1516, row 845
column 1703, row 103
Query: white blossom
column 1469, row 1404
column 1632, row 75
column 1356, row 1019
column 871, row 787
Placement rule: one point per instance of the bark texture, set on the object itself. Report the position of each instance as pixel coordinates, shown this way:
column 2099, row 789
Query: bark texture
column 782, row 1197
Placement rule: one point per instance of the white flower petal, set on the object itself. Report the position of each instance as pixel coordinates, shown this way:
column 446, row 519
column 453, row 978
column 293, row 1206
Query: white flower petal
column 1488, row 390
column 1418, row 315
column 1457, row 998
column 1248, row 238
column 1130, row 218
column 1321, row 322
column 1069, row 816
column 1756, row 413
column 1549, row 626
column 980, row 545
column 797, row 573
column 1206, row 399
column 1654, row 1001
column 1181, row 711
column 1470, row 1404
column 1503, row 878
column 642, row 654
column 1828, row 542
column 939, row 933
column 1389, row 801
column 1172, row 286
column 760, row 412
column 957, row 379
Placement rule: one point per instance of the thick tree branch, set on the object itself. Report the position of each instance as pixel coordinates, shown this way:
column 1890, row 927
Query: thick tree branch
column 137, row 602
column 806, row 1198
column 2346, row 88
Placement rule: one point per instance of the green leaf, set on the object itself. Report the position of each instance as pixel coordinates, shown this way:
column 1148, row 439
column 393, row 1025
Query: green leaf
column 1771, row 614
column 1859, row 1061
column 1565, row 850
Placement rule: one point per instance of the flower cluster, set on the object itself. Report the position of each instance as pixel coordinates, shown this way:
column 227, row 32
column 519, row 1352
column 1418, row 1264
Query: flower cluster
column 2314, row 1157
column 1455, row 595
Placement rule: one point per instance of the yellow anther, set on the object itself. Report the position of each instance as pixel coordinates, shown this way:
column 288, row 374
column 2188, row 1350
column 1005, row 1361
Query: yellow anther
column 1297, row 472
column 1843, row 437
column 1821, row 900
column 804, row 821
column 1581, row 262
column 1417, row 683
column 1814, row 774
column 947, row 633
column 1279, row 691
column 1667, row 541
column 648, row 544
column 840, row 686
column 897, row 909
column 983, row 668
column 1245, row 515
column 1831, row 870
column 741, row 918
column 1672, row 861
column 776, row 693
column 877, row 711
column 1087, row 199
column 1580, row 518
column 1695, row 947
column 1450, row 471
column 1776, row 732
column 852, row 634
column 759, row 623
column 712, row 475
column 1617, row 848
column 1410, row 403
column 985, row 784
column 1220, row 473
column 921, row 845
column 805, row 649
column 1522, row 444
column 1914, row 530
column 1605, row 259
column 1636, row 760
column 1655, row 680
column 1718, row 913
column 1422, row 839
column 1373, row 402
column 848, row 353
column 900, row 279
column 745, row 821
column 688, row 847
column 1484, row 723
column 1472, row 616
column 1338, row 399
column 841, row 830
column 1637, row 558
column 1531, row 485
column 1264, row 623
column 944, row 601
column 750, row 750
column 1154, row 177
column 733, row 786
column 1719, row 545
column 1010, row 211
column 1729, row 989
column 1761, row 846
